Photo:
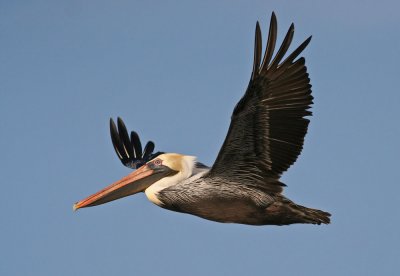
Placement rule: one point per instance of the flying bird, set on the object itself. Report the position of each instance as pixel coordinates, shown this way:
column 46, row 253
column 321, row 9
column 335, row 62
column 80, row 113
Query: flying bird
column 265, row 138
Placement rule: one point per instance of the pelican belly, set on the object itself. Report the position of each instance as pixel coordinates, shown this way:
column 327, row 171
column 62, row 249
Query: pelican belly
column 216, row 201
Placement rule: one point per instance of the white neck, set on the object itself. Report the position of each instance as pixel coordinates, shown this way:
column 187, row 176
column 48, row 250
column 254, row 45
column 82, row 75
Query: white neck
column 188, row 165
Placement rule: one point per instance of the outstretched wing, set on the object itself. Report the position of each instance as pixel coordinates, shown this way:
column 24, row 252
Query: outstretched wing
column 129, row 149
column 267, row 128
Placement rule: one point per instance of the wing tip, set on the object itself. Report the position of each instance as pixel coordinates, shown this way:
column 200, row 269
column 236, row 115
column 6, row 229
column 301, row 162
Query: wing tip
column 257, row 51
column 128, row 148
column 273, row 17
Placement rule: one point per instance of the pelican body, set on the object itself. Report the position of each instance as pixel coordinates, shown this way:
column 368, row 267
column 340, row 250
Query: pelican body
column 266, row 136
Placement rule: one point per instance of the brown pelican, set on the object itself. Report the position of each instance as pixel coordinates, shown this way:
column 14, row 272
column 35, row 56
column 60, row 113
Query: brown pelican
column 265, row 138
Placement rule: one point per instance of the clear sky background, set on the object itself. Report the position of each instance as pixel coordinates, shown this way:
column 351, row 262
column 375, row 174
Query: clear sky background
column 173, row 70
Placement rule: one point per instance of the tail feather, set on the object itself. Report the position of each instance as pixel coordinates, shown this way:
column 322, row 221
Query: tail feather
column 286, row 212
column 309, row 215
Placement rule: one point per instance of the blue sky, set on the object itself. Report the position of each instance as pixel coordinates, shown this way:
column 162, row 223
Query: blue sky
column 174, row 71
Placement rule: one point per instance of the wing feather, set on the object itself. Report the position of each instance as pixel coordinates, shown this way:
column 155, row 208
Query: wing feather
column 129, row 149
column 268, row 124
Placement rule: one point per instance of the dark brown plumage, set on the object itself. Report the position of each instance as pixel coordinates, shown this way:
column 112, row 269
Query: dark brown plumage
column 268, row 126
column 265, row 137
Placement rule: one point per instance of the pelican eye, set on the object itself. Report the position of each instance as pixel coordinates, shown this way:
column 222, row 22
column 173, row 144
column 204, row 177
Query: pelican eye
column 157, row 162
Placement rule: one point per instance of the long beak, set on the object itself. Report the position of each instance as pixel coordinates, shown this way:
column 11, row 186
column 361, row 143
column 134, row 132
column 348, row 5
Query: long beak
column 133, row 183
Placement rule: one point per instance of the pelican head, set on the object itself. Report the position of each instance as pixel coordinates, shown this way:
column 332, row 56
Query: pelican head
column 161, row 172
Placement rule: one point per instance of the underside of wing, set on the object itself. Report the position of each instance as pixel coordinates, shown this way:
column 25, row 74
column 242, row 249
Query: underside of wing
column 268, row 124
